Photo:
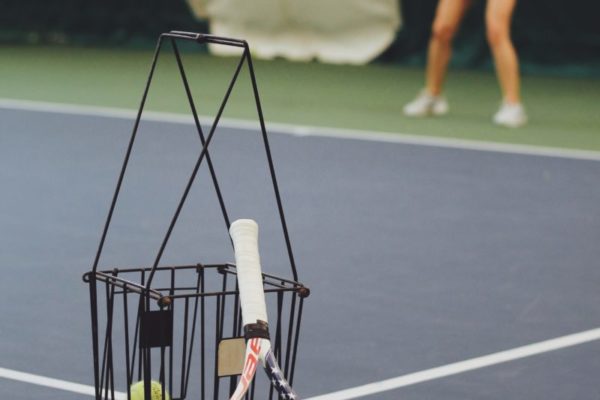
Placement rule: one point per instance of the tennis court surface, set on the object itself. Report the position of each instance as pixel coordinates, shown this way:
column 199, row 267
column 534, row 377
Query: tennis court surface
column 417, row 256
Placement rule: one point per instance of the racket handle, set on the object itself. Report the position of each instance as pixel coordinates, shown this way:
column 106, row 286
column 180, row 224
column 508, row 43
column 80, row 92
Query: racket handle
column 244, row 233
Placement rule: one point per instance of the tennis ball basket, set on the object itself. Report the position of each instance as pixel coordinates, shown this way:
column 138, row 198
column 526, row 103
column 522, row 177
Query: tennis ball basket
column 177, row 329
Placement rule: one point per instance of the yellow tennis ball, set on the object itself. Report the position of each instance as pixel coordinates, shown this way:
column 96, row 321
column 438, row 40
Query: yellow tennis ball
column 137, row 391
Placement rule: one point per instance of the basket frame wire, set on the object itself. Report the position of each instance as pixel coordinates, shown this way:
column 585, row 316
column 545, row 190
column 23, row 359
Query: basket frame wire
column 138, row 339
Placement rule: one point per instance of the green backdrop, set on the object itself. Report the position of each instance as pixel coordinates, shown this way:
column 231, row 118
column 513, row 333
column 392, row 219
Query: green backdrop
column 551, row 35
column 93, row 22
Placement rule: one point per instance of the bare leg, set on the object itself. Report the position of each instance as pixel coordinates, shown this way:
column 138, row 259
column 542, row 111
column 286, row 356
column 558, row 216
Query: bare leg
column 498, row 18
column 448, row 15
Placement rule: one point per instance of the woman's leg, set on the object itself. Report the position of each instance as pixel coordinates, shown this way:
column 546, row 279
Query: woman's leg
column 448, row 16
column 498, row 19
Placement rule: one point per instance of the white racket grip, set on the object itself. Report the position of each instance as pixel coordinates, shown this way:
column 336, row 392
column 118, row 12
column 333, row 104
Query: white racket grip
column 244, row 233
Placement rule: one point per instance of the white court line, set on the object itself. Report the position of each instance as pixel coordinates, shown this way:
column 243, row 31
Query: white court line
column 371, row 388
column 301, row 130
column 52, row 383
column 463, row 366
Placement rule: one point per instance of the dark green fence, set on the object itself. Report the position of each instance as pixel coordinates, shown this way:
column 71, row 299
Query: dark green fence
column 550, row 35
column 93, row 22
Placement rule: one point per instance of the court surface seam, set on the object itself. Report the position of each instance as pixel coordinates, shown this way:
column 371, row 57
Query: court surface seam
column 371, row 388
column 301, row 130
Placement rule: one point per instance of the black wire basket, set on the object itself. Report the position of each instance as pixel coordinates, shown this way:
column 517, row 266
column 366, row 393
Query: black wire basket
column 181, row 325
column 172, row 333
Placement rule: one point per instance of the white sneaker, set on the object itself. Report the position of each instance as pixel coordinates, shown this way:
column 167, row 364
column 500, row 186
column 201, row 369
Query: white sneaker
column 511, row 115
column 426, row 105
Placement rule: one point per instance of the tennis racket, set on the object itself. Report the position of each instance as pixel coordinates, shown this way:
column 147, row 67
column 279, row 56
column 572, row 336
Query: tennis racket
column 244, row 233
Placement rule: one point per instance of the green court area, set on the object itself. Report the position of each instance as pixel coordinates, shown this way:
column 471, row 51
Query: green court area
column 564, row 112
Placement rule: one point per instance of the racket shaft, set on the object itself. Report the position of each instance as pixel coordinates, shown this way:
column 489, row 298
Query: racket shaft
column 251, row 361
column 276, row 375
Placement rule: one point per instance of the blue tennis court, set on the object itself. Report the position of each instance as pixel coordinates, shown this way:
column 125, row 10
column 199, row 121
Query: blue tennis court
column 417, row 256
